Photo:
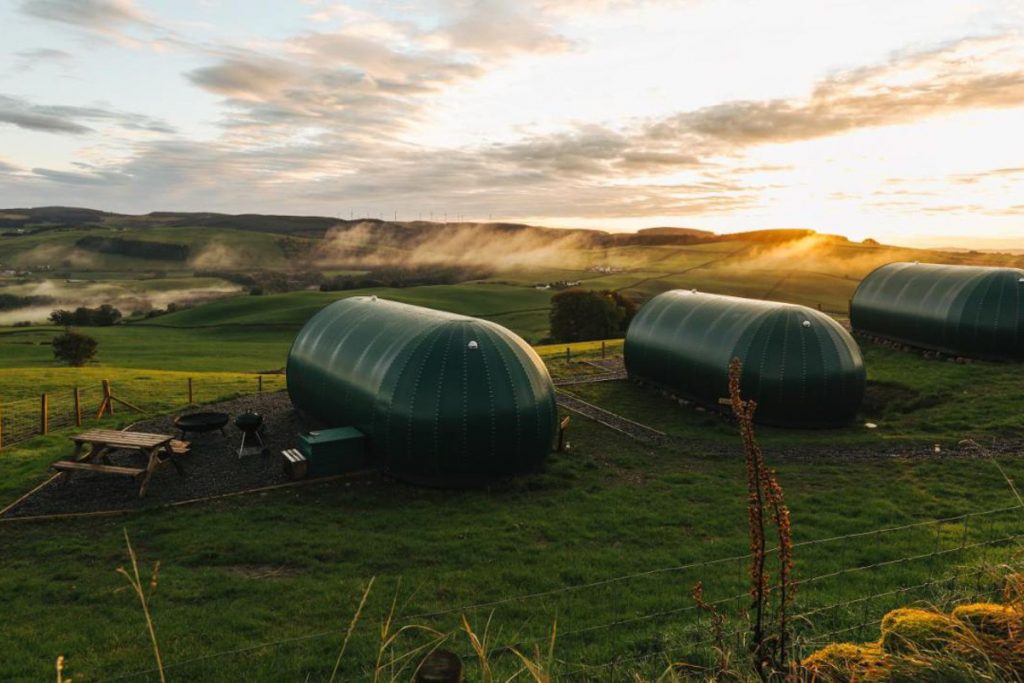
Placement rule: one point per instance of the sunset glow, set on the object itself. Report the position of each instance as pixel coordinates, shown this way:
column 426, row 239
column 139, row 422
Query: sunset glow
column 897, row 121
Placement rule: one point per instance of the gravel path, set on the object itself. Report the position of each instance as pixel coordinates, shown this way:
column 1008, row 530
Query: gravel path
column 212, row 468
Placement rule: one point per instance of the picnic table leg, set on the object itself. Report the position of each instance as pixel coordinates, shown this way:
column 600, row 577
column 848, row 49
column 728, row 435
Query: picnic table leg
column 95, row 450
column 174, row 459
column 154, row 462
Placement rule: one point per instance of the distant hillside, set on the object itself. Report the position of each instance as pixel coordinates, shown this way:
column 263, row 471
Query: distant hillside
column 22, row 221
column 666, row 231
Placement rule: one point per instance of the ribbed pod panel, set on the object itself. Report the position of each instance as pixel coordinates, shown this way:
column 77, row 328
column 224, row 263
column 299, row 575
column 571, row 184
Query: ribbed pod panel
column 442, row 398
column 800, row 365
column 964, row 310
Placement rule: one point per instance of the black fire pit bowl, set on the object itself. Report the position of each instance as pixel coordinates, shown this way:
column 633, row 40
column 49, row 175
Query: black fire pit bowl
column 198, row 423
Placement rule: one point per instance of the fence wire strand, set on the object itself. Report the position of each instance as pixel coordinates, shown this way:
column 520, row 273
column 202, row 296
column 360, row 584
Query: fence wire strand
column 802, row 617
column 25, row 419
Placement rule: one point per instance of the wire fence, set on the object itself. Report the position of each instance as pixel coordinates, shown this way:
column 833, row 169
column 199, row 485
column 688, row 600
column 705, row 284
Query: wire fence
column 55, row 410
column 614, row 625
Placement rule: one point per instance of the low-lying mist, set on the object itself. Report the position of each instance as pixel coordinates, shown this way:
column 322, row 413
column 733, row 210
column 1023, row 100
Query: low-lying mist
column 465, row 244
column 818, row 254
column 71, row 295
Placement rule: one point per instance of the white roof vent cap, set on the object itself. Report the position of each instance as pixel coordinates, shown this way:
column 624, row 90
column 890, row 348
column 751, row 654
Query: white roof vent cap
column 806, row 323
column 473, row 345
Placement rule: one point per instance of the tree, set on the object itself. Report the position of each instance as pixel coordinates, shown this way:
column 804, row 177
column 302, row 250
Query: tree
column 98, row 317
column 62, row 316
column 626, row 307
column 581, row 315
column 74, row 348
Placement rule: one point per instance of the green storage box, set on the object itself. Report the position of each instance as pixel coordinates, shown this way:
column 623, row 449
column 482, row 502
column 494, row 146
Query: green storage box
column 333, row 451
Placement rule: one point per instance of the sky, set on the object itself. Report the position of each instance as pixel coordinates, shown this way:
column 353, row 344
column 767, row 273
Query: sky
column 897, row 120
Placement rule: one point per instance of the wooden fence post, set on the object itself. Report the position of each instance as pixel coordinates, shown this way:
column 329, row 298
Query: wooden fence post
column 568, row 357
column 78, row 407
column 1, row 425
column 190, row 391
column 602, row 348
column 562, row 426
column 44, row 414
column 259, row 384
column 106, row 405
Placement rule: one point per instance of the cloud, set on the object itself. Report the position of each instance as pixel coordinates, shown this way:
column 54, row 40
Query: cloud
column 68, row 119
column 117, row 21
column 255, row 78
column 30, row 59
column 98, row 15
column 333, row 82
column 501, row 28
column 97, row 177
column 908, row 88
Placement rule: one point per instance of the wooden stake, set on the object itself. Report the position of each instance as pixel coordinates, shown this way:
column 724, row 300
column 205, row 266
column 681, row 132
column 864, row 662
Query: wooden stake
column 1, row 425
column 106, row 405
column 562, row 426
column 602, row 348
column 44, row 414
column 190, row 391
column 259, row 384
column 78, row 407
column 567, row 356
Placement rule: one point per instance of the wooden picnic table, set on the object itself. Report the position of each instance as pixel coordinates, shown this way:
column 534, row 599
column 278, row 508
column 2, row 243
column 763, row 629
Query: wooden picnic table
column 157, row 448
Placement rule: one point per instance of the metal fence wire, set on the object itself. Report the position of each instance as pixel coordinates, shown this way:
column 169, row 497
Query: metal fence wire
column 24, row 419
column 938, row 562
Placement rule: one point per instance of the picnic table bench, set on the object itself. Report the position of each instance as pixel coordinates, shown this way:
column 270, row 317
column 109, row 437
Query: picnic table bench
column 159, row 449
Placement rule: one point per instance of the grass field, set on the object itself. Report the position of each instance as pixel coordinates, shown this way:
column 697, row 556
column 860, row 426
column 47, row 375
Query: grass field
column 289, row 565
column 909, row 398
column 257, row 569
column 259, row 329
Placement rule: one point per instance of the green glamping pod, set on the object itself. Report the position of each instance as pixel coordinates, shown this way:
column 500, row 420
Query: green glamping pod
column 963, row 310
column 443, row 399
column 801, row 366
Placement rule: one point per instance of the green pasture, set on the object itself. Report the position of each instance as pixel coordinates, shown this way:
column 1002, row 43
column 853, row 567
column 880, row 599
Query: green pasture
column 291, row 564
column 286, row 568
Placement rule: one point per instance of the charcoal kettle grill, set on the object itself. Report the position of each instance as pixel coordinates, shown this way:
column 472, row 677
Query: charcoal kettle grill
column 250, row 423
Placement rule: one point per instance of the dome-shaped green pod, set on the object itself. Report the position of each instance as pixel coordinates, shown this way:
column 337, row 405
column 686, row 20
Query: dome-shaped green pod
column 801, row 366
column 441, row 398
column 963, row 310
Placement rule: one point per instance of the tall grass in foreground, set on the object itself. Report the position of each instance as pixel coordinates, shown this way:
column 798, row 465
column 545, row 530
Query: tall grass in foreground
column 396, row 659
column 765, row 500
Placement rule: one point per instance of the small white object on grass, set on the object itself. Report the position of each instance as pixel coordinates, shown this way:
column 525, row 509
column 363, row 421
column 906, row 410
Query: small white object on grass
column 870, row 425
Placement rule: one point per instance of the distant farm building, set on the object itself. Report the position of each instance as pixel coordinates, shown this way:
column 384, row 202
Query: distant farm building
column 801, row 366
column 969, row 311
column 441, row 398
